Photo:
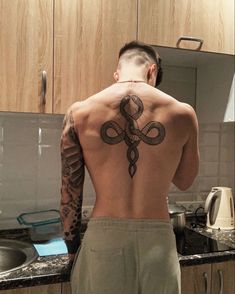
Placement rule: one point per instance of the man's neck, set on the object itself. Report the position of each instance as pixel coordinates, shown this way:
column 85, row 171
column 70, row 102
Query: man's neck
column 132, row 77
column 133, row 73
column 131, row 81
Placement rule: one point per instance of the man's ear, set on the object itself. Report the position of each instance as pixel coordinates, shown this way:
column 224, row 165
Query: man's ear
column 153, row 68
column 116, row 76
column 152, row 72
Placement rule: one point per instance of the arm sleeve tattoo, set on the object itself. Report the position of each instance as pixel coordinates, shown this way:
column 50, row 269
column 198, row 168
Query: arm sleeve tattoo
column 72, row 184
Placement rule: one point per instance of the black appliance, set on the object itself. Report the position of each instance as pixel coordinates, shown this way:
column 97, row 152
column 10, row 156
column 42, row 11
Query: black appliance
column 191, row 242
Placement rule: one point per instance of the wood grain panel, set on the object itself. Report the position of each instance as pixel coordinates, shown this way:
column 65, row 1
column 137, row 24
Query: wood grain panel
column 26, row 48
column 228, row 274
column 66, row 288
column 88, row 35
column 163, row 22
column 192, row 280
column 45, row 289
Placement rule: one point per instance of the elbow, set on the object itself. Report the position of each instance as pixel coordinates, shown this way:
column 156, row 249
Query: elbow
column 185, row 182
column 182, row 185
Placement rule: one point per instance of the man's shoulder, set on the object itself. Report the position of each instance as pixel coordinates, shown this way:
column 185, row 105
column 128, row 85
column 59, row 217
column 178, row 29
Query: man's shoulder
column 77, row 111
column 186, row 114
column 184, row 108
column 187, row 110
column 177, row 106
column 82, row 109
column 76, row 107
column 170, row 100
column 92, row 100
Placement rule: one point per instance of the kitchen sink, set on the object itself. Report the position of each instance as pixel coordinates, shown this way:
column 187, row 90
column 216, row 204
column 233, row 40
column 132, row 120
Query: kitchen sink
column 15, row 255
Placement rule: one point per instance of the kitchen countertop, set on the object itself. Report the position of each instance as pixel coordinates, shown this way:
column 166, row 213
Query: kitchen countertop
column 224, row 237
column 227, row 237
column 56, row 268
column 44, row 270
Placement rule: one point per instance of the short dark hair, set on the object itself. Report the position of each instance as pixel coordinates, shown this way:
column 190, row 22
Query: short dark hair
column 140, row 46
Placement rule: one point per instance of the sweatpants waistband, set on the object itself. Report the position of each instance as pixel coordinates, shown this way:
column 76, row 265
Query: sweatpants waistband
column 129, row 224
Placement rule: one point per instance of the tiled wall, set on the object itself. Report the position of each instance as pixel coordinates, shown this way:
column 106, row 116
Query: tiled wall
column 30, row 165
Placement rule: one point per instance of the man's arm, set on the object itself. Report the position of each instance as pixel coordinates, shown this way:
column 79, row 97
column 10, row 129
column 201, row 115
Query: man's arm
column 189, row 163
column 72, row 184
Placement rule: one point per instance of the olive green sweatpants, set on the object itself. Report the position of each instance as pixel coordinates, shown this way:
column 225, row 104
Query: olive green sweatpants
column 127, row 256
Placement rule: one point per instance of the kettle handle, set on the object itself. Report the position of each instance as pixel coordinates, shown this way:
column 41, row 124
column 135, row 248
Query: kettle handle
column 209, row 199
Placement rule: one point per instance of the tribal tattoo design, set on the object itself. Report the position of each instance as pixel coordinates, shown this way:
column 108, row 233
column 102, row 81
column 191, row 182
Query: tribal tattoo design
column 132, row 135
column 72, row 184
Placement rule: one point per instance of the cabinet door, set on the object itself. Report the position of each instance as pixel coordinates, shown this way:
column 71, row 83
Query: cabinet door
column 223, row 277
column 66, row 288
column 45, row 289
column 196, row 279
column 26, row 49
column 163, row 22
column 88, row 36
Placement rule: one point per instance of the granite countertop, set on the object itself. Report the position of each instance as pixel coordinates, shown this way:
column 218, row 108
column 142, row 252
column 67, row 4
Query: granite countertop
column 224, row 237
column 56, row 268
column 44, row 270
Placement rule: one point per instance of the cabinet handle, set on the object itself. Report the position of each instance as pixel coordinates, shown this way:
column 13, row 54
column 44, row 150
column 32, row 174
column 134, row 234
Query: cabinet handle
column 191, row 39
column 221, row 282
column 206, row 282
column 44, row 88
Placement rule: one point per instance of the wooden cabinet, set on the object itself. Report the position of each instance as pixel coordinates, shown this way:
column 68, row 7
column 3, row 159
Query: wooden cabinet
column 66, row 288
column 45, row 289
column 26, row 50
column 75, row 42
column 195, row 279
column 209, row 278
column 88, row 36
column 223, row 277
column 164, row 22
column 63, row 288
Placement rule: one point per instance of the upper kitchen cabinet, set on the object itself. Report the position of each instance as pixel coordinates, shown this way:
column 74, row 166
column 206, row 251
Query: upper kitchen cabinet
column 206, row 25
column 26, row 55
column 88, row 36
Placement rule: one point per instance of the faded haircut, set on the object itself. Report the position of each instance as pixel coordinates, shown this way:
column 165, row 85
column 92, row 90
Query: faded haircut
column 142, row 51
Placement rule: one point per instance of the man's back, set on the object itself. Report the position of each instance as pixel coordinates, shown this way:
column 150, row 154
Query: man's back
column 135, row 140
column 132, row 136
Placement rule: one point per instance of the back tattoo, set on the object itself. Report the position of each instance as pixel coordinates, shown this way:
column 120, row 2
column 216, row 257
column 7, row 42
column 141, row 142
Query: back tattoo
column 131, row 134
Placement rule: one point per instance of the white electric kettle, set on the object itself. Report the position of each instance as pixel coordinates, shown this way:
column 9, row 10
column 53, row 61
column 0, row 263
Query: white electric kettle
column 219, row 207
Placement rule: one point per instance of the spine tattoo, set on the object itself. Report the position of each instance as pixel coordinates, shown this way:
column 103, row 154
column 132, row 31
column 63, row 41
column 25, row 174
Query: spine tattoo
column 132, row 135
column 72, row 184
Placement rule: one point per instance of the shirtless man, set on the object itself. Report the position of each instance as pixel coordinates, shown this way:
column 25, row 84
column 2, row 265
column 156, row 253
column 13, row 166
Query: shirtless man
column 135, row 141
